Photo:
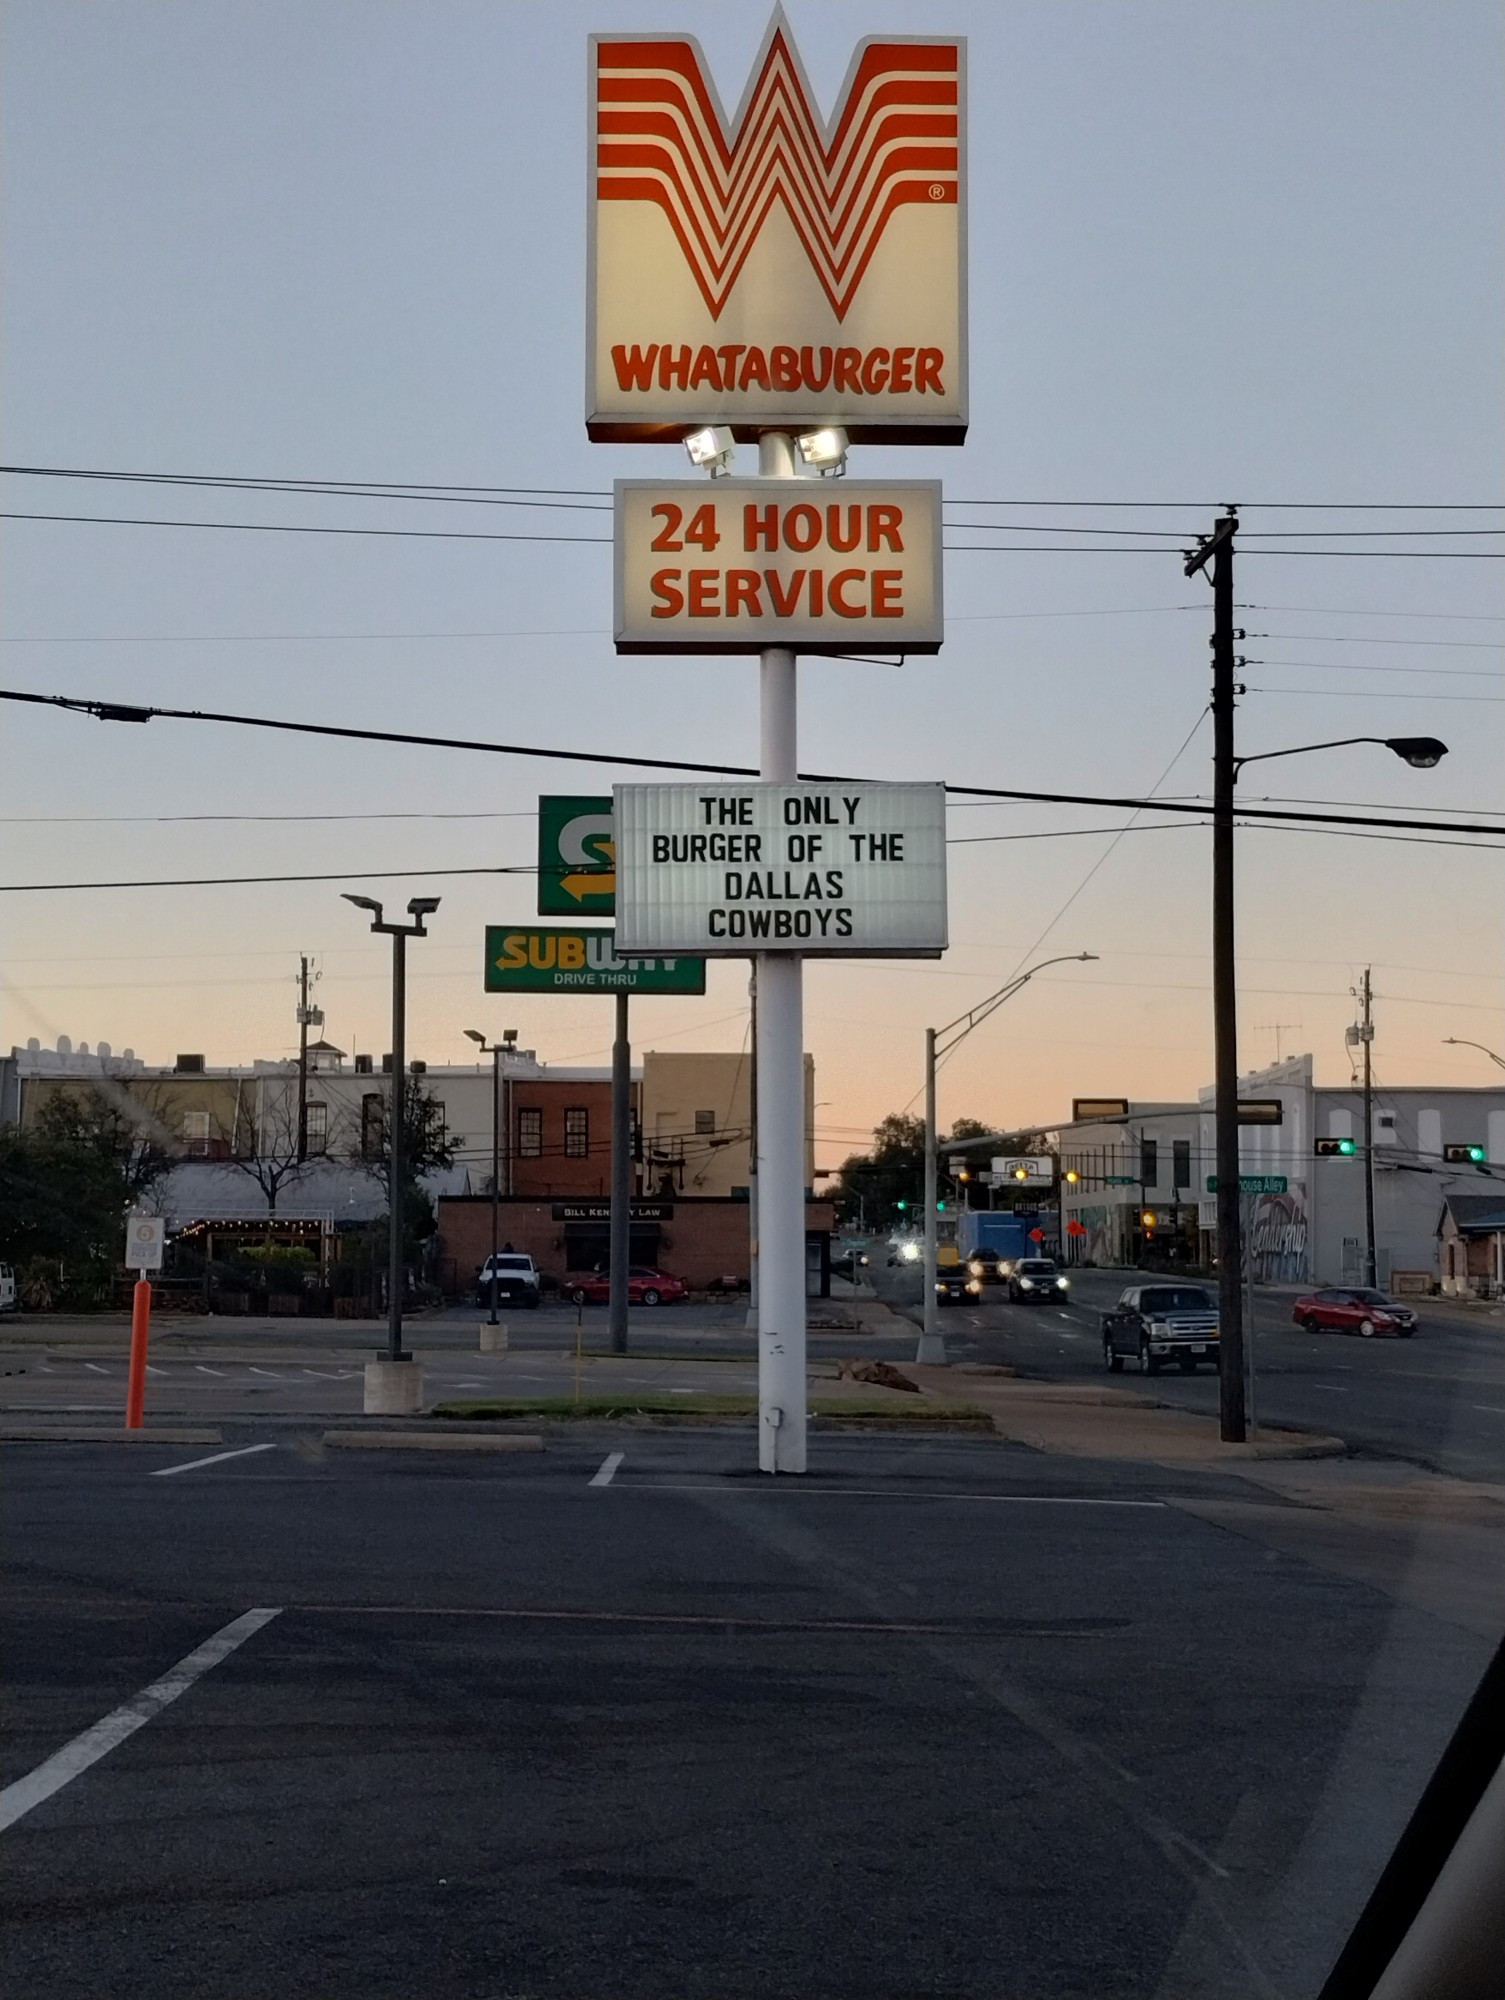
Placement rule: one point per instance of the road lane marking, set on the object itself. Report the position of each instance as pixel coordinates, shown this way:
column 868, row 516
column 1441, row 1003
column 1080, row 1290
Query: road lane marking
column 209, row 1371
column 64, row 1765
column 1332, row 1388
column 606, row 1471
column 96, row 1367
column 267, row 1371
column 324, row 1375
column 1494, row 1409
column 193, row 1464
column 152, row 1369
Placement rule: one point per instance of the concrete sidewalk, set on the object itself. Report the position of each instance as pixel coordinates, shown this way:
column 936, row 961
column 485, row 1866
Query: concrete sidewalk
column 1109, row 1423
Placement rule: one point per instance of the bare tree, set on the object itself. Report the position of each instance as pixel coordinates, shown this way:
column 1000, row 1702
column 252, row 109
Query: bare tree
column 271, row 1158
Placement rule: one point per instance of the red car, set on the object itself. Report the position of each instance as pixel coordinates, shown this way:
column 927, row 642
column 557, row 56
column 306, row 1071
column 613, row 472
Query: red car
column 1354, row 1309
column 645, row 1287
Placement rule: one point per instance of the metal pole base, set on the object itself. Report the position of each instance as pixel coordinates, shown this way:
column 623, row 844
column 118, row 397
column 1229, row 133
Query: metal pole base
column 931, row 1350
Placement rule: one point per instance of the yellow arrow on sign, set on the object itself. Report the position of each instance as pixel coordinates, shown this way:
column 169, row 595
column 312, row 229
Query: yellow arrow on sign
column 580, row 886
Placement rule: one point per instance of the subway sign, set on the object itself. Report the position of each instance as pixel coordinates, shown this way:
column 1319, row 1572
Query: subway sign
column 532, row 959
column 777, row 269
column 734, row 565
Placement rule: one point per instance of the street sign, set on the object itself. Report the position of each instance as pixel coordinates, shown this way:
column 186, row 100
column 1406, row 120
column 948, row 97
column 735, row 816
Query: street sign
column 1098, row 1107
column 1025, row 1169
column 1120, row 1180
column 531, row 958
column 1037, row 1236
column 734, row 565
column 577, row 858
column 1253, row 1184
column 778, row 269
column 825, row 870
column 145, row 1236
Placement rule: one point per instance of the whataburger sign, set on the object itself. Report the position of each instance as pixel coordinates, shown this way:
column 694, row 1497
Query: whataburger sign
column 777, row 269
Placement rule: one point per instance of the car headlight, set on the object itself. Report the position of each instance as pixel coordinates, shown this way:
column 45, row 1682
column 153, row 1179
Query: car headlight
column 1062, row 1285
column 974, row 1285
column 1026, row 1284
column 976, row 1267
column 910, row 1253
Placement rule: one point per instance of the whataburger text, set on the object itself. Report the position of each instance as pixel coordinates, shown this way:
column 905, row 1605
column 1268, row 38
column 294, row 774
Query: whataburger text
column 737, row 564
column 834, row 869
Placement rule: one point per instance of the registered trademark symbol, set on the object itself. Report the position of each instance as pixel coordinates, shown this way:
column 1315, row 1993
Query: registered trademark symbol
column 937, row 191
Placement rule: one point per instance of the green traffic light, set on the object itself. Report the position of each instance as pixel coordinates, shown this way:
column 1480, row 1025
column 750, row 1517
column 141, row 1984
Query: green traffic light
column 901, row 1206
column 1476, row 1154
column 1346, row 1146
column 940, row 1208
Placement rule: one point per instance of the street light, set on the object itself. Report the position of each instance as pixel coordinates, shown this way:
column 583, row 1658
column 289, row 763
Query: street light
column 932, row 1347
column 495, row 1050
column 1422, row 753
column 419, row 907
column 1462, row 1042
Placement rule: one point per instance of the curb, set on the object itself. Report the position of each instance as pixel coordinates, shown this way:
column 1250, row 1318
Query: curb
column 432, row 1441
column 81, row 1434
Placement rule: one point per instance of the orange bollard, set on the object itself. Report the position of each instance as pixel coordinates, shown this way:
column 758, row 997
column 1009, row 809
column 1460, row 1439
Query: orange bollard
column 135, row 1393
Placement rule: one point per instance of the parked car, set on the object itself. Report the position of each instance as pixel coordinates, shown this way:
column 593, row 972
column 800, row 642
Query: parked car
column 517, row 1281
column 1162, row 1323
column 953, row 1287
column 9, row 1300
column 1033, row 1280
column 645, row 1287
column 1354, row 1309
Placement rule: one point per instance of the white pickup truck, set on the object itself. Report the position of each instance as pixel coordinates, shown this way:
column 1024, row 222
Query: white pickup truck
column 517, row 1281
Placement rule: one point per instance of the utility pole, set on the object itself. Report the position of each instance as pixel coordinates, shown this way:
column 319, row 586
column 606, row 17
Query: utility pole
column 1218, row 549
column 620, row 1245
column 303, row 1057
column 1366, row 1036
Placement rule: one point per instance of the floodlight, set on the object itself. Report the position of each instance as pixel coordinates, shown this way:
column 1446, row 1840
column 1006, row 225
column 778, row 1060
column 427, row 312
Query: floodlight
column 712, row 448
column 825, row 449
column 422, row 906
column 363, row 903
column 475, row 1035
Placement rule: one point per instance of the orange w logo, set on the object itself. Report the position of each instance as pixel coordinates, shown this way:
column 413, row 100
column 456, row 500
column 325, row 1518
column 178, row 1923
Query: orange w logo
column 660, row 138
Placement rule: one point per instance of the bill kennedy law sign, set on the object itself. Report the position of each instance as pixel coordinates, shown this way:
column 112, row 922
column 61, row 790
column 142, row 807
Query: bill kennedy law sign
column 733, row 565
column 826, row 870
column 777, row 267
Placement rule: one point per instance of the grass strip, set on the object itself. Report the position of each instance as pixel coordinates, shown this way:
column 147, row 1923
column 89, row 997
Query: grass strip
column 870, row 1413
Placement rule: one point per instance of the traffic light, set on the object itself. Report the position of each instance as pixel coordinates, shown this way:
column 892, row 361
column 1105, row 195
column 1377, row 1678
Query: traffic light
column 1464, row 1156
column 1328, row 1149
column 964, row 1173
column 1148, row 1218
column 1071, row 1175
column 1021, row 1173
column 901, row 1206
column 940, row 1208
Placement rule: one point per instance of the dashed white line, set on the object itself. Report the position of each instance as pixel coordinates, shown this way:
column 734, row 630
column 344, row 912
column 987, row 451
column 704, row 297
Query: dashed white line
column 96, row 1367
column 152, row 1369
column 219, row 1457
column 324, row 1375
column 106, row 1735
column 209, row 1371
column 1494, row 1409
column 606, row 1472
column 267, row 1371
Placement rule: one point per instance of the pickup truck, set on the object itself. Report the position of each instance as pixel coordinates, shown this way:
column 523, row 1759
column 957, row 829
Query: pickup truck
column 1159, row 1324
column 517, row 1281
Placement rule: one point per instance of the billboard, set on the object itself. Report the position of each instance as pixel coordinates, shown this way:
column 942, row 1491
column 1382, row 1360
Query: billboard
column 826, row 870
column 734, row 565
column 777, row 269
column 531, row 958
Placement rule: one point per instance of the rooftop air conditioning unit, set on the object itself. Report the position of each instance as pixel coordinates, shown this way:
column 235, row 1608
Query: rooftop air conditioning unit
column 417, row 1067
column 189, row 1065
column 363, row 1065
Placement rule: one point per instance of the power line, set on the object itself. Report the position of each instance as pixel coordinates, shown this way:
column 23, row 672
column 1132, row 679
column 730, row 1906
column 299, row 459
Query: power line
column 1370, row 694
column 1377, row 667
column 1369, row 639
column 122, row 712
column 483, row 535
column 1349, row 611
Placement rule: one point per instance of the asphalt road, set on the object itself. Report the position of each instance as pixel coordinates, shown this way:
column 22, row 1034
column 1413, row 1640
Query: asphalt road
column 1437, row 1399
column 949, row 1718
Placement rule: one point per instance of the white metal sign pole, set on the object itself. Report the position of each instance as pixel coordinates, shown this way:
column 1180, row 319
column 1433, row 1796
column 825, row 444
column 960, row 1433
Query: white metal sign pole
column 780, row 1042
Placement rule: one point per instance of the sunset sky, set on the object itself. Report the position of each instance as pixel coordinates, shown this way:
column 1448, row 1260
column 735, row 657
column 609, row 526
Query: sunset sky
column 1216, row 254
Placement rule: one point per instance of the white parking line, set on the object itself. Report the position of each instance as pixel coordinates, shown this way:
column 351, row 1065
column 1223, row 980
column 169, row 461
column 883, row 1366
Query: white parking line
column 267, row 1371
column 193, row 1464
column 1494, row 1409
column 209, row 1371
column 324, row 1375
column 789, row 1487
column 606, row 1472
column 96, row 1367
column 66, row 1764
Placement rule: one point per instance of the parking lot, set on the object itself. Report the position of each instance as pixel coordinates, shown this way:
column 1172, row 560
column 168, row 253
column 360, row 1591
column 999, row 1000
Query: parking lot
column 625, row 1716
